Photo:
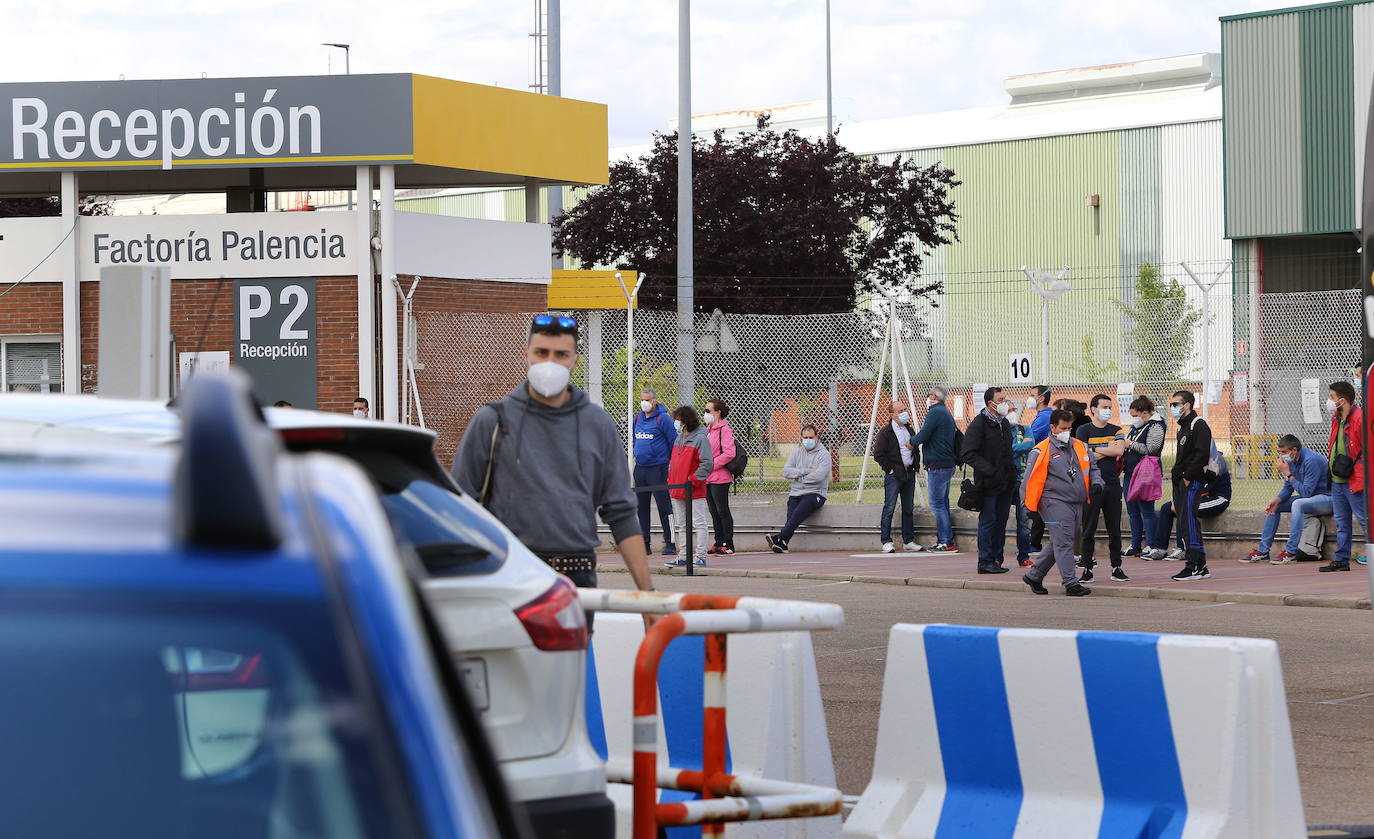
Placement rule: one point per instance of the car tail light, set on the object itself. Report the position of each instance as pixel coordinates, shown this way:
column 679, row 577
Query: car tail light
column 313, row 435
column 555, row 620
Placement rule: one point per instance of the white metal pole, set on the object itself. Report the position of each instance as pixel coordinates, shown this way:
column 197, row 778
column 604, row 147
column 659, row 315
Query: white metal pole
column 630, row 363
column 555, row 48
column 1254, row 286
column 1044, row 341
column 873, row 417
column 391, row 368
column 595, row 326
column 829, row 88
column 71, row 286
column 367, row 326
column 686, row 303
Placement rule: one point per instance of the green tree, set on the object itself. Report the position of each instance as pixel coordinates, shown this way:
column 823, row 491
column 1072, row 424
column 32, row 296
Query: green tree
column 1162, row 338
column 1092, row 369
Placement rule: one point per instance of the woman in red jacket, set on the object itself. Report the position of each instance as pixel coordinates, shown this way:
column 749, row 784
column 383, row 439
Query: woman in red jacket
column 690, row 459
column 1347, row 471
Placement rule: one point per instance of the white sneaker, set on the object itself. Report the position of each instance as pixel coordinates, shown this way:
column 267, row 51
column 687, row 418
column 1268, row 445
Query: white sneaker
column 914, row 547
column 1175, row 555
column 888, row 548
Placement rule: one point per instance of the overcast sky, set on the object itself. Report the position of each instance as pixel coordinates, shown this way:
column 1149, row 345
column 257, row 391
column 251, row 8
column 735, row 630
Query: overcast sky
column 890, row 57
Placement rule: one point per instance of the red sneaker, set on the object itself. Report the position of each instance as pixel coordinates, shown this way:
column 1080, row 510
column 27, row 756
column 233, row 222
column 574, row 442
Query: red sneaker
column 713, row 550
column 725, row 551
column 1026, row 563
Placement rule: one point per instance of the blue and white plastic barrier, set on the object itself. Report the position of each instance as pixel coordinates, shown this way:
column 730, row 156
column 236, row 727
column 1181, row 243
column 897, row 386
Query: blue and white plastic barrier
column 1025, row 733
column 774, row 720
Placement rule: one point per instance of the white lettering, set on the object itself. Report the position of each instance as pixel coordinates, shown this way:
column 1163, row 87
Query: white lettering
column 238, row 125
column 35, row 129
column 69, row 124
column 206, row 146
column 279, row 128
column 141, row 123
column 288, row 330
column 111, row 119
column 298, row 116
column 188, row 135
column 254, row 302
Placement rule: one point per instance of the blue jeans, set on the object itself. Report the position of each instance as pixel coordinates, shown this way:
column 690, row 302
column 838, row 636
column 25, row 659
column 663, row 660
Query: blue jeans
column 992, row 529
column 647, row 476
column 1142, row 516
column 799, row 509
column 1345, row 504
column 1023, row 544
column 937, row 481
column 1299, row 508
column 892, row 490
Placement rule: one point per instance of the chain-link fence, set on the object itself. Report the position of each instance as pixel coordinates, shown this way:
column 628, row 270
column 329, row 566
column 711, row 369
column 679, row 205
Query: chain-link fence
column 1110, row 333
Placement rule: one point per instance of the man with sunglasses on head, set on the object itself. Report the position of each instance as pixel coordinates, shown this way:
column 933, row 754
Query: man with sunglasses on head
column 1191, row 473
column 546, row 460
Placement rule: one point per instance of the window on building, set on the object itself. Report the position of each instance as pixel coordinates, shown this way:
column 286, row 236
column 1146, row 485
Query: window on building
column 30, row 365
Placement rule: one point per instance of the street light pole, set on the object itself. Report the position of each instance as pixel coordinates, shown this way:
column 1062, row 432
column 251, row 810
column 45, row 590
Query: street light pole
column 686, row 349
column 829, row 90
column 348, row 70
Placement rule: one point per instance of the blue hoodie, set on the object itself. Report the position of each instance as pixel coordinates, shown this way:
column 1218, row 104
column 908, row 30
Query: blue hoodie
column 654, row 436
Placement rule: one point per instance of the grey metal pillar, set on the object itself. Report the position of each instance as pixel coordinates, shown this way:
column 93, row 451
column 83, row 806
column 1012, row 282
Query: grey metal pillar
column 686, row 347
column 71, row 285
column 367, row 323
column 555, row 89
column 532, row 200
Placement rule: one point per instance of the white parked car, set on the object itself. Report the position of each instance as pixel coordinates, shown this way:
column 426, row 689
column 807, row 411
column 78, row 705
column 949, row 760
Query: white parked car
column 515, row 626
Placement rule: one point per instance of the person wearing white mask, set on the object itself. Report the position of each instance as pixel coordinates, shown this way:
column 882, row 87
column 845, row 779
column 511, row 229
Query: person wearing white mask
column 987, row 448
column 809, row 470
column 360, row 407
column 1144, row 440
column 895, row 454
column 1346, row 445
column 1105, row 443
column 1061, row 478
column 654, row 438
column 546, row 460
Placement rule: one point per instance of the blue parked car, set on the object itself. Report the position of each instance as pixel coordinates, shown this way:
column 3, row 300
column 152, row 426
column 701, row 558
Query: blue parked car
column 222, row 642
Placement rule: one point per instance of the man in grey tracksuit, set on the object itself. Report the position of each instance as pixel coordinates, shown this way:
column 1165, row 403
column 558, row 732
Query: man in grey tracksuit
column 1062, row 497
column 809, row 470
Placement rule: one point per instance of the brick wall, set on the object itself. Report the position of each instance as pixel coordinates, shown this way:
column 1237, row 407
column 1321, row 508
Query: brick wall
column 485, row 349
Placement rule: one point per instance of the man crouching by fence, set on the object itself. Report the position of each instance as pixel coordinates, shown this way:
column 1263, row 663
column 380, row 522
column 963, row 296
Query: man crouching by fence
column 545, row 460
column 1060, row 479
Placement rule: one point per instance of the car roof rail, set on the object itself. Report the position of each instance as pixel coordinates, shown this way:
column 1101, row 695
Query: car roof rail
column 226, row 481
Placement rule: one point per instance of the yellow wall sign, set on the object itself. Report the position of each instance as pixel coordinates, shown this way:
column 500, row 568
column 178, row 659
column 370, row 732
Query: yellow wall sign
column 590, row 289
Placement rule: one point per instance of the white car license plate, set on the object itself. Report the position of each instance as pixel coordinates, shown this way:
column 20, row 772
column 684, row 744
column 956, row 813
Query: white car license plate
column 474, row 674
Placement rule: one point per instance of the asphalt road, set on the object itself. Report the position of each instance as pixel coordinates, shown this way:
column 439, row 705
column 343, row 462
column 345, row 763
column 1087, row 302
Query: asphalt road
column 1328, row 663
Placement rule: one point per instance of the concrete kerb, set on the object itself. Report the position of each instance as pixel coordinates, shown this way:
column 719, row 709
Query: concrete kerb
column 1251, row 598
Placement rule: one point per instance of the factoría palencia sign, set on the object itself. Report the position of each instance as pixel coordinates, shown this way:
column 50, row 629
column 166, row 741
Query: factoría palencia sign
column 226, row 245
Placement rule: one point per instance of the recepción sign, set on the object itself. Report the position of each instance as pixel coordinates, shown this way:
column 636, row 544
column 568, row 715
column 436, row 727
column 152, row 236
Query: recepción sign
column 275, row 341
column 206, row 122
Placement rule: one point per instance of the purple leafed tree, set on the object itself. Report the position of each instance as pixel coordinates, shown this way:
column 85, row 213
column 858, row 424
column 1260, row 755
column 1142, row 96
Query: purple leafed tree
column 782, row 224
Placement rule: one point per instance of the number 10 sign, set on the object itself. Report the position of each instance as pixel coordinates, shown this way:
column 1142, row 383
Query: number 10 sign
column 1020, row 368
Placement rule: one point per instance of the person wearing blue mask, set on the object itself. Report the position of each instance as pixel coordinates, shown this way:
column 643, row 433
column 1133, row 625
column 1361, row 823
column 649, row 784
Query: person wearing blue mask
column 1306, row 491
column 809, row 470
column 895, row 454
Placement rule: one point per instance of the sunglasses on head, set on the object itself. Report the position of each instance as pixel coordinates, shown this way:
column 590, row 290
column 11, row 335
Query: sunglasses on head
column 554, row 324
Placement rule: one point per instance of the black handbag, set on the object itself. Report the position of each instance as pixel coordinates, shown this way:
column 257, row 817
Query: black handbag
column 969, row 497
column 1343, row 465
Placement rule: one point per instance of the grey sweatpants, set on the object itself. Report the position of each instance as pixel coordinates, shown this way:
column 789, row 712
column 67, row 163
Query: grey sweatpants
column 1061, row 526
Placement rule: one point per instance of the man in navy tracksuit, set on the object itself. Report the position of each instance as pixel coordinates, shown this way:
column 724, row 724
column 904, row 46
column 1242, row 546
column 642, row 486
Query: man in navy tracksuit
column 654, row 436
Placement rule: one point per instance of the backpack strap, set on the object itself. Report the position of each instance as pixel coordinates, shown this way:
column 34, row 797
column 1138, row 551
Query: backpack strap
column 485, row 496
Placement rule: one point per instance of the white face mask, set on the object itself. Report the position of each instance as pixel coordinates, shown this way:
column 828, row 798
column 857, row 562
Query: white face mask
column 359, row 413
column 1004, row 408
column 1030, row 403
column 678, row 425
column 1136, row 422
column 646, row 406
column 548, row 378
column 808, row 443
column 903, row 418
column 1331, row 406
column 1062, row 436
column 1014, row 418
column 708, row 417
column 1104, row 414
column 1286, row 458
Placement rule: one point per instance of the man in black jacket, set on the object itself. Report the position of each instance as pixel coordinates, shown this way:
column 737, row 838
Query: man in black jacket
column 900, row 461
column 1190, row 473
column 987, row 448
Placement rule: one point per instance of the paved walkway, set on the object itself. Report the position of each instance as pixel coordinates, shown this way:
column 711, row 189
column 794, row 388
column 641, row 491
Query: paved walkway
column 1299, row 584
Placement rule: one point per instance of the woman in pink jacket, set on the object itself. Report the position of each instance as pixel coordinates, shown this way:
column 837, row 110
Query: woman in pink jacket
column 722, row 439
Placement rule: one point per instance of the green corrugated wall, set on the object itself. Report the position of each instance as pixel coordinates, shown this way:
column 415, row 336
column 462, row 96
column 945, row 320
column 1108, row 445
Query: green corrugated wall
column 1328, row 132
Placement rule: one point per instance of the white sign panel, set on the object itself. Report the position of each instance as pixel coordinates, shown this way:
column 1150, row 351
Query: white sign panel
column 192, row 363
column 1311, row 411
column 1212, row 391
column 1240, row 388
column 1125, row 394
column 1020, row 365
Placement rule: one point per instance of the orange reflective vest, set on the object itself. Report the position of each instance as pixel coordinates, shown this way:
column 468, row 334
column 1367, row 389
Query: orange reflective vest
column 1035, row 481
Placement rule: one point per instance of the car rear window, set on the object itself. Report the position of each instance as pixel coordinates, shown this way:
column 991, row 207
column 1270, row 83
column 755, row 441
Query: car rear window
column 173, row 721
column 451, row 534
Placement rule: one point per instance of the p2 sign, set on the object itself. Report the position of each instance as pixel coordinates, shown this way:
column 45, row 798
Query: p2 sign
column 275, row 339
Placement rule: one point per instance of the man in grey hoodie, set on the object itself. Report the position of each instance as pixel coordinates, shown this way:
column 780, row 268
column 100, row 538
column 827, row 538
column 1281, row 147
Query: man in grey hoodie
column 809, row 469
column 559, row 460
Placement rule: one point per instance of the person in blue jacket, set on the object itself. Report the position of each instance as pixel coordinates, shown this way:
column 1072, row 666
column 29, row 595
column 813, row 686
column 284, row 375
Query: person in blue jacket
column 654, row 436
column 936, row 439
column 1039, row 404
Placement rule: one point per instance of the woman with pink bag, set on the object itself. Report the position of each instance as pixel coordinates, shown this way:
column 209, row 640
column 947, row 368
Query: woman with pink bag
column 1142, row 475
